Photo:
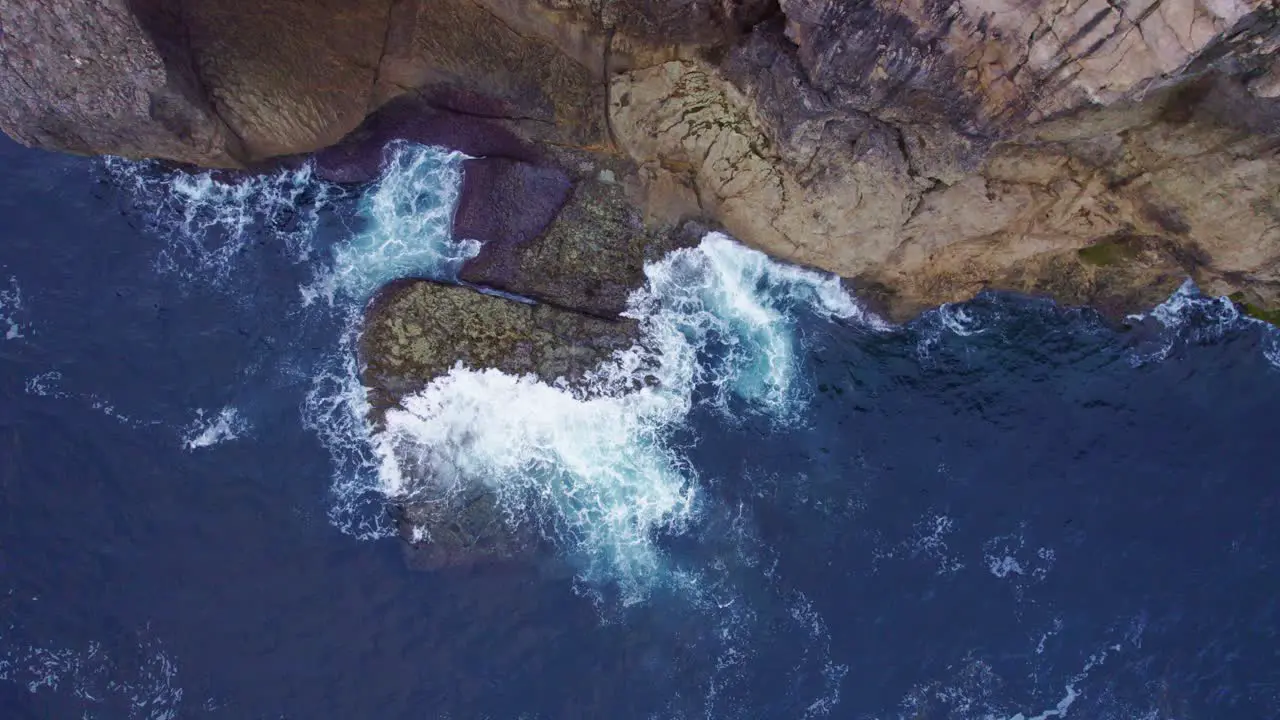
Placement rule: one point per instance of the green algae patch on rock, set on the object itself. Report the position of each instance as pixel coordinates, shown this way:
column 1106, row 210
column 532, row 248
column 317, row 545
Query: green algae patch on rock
column 1108, row 253
column 416, row 331
column 1117, row 276
column 1255, row 311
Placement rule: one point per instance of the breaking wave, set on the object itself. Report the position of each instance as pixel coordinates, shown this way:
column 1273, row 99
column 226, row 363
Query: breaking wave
column 596, row 468
column 1190, row 317
column 409, row 217
column 1187, row 318
column 407, row 221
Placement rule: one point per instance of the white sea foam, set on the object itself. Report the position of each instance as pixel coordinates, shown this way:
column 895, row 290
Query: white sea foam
column 10, row 307
column 959, row 320
column 92, row 681
column 208, row 221
column 595, row 468
column 1071, row 693
column 930, row 541
column 1271, row 347
column 833, row 673
column 973, row 690
column 1007, row 556
column 1190, row 317
column 208, row 429
column 48, row 384
column 409, row 214
column 407, row 219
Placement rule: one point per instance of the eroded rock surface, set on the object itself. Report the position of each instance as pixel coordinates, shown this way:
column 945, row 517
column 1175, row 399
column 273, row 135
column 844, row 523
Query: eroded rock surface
column 928, row 190
column 418, row 330
column 1191, row 170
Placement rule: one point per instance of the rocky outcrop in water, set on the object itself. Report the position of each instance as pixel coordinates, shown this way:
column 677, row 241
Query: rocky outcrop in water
column 1096, row 150
column 417, row 331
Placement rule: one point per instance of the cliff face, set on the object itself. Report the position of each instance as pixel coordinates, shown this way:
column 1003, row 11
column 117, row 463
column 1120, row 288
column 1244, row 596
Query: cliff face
column 1097, row 150
column 932, row 151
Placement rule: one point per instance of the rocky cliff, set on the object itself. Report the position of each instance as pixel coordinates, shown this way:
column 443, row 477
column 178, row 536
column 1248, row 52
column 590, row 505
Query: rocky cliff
column 1096, row 150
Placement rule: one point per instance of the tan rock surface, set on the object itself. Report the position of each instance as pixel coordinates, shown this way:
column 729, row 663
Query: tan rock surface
column 928, row 148
column 684, row 118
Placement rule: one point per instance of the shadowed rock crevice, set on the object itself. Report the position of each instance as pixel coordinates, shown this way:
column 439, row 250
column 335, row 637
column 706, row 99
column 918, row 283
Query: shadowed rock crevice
column 166, row 28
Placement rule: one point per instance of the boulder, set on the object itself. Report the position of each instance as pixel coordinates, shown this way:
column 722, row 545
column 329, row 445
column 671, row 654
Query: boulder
column 416, row 331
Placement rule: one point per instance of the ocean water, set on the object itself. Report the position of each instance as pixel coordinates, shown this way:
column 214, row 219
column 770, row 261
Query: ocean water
column 1004, row 509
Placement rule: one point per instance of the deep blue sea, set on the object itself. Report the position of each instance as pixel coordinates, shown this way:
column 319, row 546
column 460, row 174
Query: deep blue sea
column 1004, row 509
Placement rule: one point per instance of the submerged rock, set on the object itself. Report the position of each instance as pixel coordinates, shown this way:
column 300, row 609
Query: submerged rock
column 416, row 331
column 461, row 528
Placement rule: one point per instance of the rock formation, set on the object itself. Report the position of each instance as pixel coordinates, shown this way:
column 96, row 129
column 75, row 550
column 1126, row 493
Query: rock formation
column 926, row 149
column 1098, row 151
column 589, row 259
column 417, row 331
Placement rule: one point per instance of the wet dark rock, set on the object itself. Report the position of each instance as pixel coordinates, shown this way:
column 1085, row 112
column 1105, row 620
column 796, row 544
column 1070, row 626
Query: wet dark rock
column 506, row 202
column 589, row 259
column 358, row 157
column 459, row 530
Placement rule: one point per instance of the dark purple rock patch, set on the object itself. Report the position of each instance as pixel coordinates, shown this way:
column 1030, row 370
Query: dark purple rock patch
column 358, row 157
column 505, row 204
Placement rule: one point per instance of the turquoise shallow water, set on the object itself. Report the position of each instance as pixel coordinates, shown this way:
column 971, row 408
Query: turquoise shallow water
column 1002, row 508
